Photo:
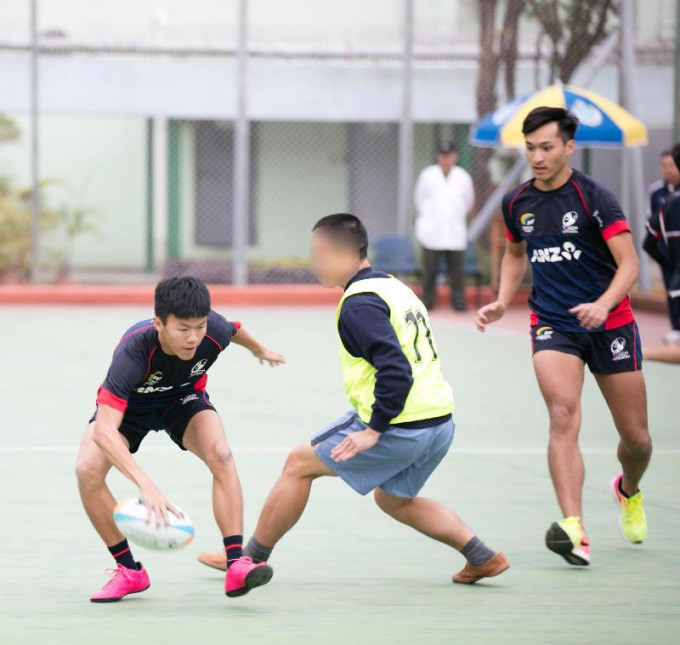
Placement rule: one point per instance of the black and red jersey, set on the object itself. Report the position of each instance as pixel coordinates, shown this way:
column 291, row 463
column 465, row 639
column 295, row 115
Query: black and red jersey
column 566, row 232
column 664, row 225
column 141, row 375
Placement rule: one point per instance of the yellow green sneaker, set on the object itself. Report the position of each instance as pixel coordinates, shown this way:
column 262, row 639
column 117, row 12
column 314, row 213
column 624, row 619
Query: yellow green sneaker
column 633, row 522
column 568, row 539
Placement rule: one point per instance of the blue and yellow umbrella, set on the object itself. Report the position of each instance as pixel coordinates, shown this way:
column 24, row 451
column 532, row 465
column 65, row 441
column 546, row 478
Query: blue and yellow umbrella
column 602, row 123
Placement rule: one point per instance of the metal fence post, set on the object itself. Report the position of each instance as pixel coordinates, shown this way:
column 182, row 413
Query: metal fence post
column 406, row 124
column 633, row 169
column 241, row 155
column 160, row 192
column 35, row 148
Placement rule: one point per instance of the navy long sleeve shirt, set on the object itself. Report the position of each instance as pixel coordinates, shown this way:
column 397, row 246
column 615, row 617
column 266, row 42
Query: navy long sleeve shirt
column 366, row 332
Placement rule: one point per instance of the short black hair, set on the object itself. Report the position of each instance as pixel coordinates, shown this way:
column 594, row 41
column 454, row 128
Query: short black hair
column 666, row 153
column 446, row 148
column 346, row 228
column 675, row 153
column 184, row 297
column 567, row 123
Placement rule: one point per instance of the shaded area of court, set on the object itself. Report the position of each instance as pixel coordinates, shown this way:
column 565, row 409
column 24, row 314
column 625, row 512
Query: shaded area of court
column 346, row 572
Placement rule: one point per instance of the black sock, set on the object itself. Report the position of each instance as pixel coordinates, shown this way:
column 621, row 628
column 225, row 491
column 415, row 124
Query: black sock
column 233, row 545
column 623, row 492
column 258, row 552
column 476, row 552
column 122, row 554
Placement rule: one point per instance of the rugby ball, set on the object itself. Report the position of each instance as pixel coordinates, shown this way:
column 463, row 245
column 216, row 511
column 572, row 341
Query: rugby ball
column 130, row 517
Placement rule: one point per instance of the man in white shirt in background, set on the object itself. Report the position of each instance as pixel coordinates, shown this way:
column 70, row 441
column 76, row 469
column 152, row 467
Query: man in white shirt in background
column 444, row 197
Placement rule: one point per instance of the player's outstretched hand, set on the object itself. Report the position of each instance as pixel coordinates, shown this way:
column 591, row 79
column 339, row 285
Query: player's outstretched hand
column 590, row 314
column 157, row 505
column 268, row 356
column 488, row 314
column 355, row 443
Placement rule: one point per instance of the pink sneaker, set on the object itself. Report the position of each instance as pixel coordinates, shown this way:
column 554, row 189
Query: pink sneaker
column 124, row 581
column 244, row 575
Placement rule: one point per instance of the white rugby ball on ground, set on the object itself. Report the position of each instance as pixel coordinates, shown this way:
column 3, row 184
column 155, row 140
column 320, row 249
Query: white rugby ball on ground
column 130, row 517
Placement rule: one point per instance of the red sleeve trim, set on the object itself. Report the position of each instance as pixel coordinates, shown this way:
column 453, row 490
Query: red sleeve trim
column 106, row 397
column 620, row 226
column 237, row 324
column 199, row 386
column 622, row 315
column 511, row 237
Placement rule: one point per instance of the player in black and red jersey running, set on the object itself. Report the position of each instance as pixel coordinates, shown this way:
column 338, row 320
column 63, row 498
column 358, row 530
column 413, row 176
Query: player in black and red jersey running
column 157, row 381
column 583, row 260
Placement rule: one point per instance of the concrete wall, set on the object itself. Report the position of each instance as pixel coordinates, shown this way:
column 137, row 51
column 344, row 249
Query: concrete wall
column 301, row 173
column 98, row 163
column 95, row 107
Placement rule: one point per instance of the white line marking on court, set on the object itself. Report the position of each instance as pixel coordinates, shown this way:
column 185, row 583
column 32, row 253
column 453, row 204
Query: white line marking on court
column 528, row 450
column 503, row 332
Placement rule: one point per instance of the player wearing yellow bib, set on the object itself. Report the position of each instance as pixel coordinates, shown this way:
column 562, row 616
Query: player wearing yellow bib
column 400, row 427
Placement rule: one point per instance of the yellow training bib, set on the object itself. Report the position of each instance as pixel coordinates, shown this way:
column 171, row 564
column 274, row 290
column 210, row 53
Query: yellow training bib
column 430, row 395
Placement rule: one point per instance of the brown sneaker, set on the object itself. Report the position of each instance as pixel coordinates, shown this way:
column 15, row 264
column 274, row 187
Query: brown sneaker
column 215, row 560
column 492, row 567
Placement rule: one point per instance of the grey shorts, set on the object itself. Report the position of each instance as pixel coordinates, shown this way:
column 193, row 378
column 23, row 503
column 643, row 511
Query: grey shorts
column 400, row 463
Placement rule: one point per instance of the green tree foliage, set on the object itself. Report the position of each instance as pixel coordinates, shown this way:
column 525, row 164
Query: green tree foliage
column 59, row 225
column 573, row 28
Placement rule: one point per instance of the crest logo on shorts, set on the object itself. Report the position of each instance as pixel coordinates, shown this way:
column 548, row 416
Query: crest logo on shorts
column 527, row 221
column 544, row 333
column 199, row 368
column 618, row 348
column 569, row 222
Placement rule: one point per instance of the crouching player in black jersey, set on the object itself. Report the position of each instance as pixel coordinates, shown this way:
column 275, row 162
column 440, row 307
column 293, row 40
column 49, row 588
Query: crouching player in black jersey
column 583, row 262
column 157, row 380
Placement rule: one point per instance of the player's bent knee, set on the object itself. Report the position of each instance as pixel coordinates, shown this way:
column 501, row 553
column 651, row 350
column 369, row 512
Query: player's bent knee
column 638, row 443
column 221, row 457
column 390, row 504
column 302, row 462
column 295, row 462
column 90, row 472
column 564, row 419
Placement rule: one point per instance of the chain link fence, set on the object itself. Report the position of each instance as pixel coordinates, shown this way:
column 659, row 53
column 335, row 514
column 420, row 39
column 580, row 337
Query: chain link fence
column 137, row 111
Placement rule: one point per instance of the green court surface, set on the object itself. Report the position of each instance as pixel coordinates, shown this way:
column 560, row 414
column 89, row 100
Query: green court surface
column 347, row 573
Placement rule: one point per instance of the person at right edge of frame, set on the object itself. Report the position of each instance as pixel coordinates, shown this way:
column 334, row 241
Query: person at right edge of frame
column 655, row 244
column 572, row 231
column 664, row 229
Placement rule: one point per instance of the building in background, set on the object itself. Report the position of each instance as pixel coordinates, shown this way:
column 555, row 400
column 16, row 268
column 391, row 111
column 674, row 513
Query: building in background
column 138, row 102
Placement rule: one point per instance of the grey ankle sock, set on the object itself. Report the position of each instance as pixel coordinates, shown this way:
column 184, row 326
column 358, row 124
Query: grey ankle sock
column 257, row 551
column 476, row 552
